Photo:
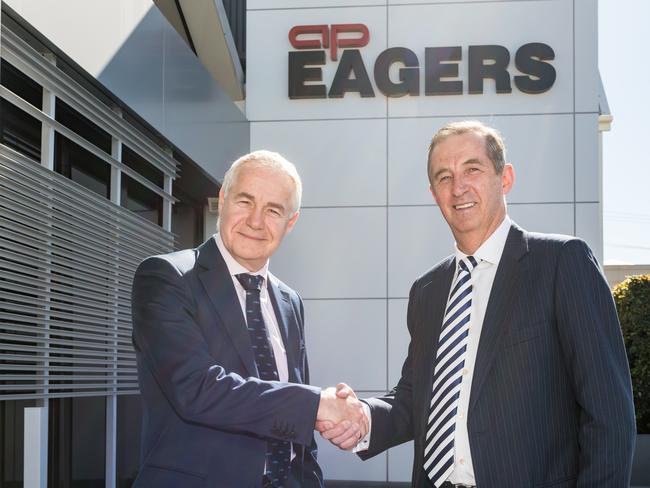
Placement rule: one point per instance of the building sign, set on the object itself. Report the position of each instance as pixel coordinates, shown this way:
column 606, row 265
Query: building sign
column 313, row 43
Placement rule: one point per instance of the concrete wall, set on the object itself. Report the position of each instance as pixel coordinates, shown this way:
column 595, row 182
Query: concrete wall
column 130, row 47
column 369, row 226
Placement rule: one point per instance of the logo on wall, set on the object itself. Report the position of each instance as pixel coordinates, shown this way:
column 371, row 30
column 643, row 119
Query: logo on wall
column 312, row 43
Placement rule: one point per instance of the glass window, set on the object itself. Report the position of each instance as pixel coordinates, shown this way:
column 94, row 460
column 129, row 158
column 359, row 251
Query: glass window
column 21, row 84
column 12, row 437
column 79, row 165
column 77, row 442
column 141, row 200
column 129, row 426
column 79, row 124
column 140, row 165
column 18, row 130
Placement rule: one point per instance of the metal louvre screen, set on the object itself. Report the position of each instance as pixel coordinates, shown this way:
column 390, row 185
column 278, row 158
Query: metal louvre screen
column 67, row 259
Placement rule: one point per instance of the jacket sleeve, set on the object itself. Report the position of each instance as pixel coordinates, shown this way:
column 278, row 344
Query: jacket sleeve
column 170, row 343
column 595, row 356
column 312, row 475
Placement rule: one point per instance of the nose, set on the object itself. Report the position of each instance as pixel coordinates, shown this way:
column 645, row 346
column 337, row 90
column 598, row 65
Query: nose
column 255, row 219
column 459, row 186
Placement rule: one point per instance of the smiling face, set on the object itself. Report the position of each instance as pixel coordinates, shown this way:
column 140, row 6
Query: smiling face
column 256, row 214
column 466, row 186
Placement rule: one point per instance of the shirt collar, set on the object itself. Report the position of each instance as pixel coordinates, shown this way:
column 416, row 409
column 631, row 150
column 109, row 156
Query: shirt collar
column 234, row 268
column 492, row 248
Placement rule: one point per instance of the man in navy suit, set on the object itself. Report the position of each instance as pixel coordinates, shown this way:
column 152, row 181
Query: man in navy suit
column 221, row 350
column 516, row 374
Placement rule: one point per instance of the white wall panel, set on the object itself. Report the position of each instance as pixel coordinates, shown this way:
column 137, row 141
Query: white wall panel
column 343, row 335
column 589, row 227
column 343, row 465
column 509, row 24
column 398, row 339
column 267, row 64
column 551, row 218
column 539, row 146
column 341, row 162
column 587, row 78
column 335, row 253
column 72, row 23
column 295, row 4
column 588, row 170
column 400, row 462
column 418, row 238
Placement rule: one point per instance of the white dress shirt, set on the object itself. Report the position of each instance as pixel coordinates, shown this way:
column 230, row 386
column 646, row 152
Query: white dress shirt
column 488, row 255
column 483, row 275
column 268, row 313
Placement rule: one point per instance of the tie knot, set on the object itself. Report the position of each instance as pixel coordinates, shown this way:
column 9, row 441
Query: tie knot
column 250, row 282
column 468, row 264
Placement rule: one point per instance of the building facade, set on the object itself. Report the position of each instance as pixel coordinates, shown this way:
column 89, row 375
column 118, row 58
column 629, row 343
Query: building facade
column 113, row 136
column 120, row 117
column 352, row 92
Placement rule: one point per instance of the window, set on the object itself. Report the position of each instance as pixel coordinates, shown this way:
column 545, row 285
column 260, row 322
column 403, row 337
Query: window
column 141, row 166
column 18, row 130
column 129, row 426
column 77, row 442
column 141, row 200
column 79, row 165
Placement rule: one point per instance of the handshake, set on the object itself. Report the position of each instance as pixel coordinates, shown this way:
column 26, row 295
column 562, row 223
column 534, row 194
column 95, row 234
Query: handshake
column 341, row 418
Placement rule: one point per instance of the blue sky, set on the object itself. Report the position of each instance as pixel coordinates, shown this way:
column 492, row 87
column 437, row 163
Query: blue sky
column 625, row 70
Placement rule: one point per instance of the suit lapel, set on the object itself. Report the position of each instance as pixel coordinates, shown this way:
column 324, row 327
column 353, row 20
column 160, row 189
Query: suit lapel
column 507, row 281
column 286, row 321
column 219, row 287
column 435, row 295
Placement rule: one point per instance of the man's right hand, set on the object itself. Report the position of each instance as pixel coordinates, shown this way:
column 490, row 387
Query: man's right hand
column 341, row 418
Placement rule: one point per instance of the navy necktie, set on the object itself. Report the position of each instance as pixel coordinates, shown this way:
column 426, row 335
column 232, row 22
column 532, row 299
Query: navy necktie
column 278, row 453
column 448, row 376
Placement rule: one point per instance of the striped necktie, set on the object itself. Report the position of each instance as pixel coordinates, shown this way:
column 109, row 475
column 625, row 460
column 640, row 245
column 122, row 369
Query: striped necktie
column 278, row 453
column 448, row 375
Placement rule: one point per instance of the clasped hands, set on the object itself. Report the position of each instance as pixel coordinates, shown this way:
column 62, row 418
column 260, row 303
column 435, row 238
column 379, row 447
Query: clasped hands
column 341, row 418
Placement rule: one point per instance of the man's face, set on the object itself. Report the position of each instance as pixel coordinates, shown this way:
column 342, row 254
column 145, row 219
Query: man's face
column 468, row 190
column 256, row 214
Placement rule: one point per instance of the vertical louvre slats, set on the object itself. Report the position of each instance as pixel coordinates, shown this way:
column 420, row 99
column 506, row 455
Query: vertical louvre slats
column 67, row 259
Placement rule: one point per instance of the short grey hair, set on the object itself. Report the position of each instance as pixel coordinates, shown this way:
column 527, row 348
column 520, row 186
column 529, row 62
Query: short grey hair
column 494, row 145
column 270, row 160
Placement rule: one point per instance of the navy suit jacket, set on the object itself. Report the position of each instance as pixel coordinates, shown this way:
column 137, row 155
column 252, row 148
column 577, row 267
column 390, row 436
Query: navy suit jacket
column 207, row 417
column 551, row 398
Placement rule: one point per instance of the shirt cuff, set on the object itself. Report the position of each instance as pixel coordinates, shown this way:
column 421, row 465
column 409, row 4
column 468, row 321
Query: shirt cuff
column 364, row 443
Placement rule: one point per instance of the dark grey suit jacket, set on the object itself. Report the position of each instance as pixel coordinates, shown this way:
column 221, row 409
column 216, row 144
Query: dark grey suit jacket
column 207, row 417
column 551, row 399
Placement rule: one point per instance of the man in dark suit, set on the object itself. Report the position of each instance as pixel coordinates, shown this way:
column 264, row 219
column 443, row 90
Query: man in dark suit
column 516, row 374
column 221, row 350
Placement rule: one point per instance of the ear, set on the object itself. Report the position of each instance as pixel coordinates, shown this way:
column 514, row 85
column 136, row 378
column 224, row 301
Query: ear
column 292, row 221
column 222, row 196
column 433, row 193
column 507, row 179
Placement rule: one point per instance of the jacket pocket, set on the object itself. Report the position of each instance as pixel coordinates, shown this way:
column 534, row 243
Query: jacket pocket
column 519, row 333
column 152, row 476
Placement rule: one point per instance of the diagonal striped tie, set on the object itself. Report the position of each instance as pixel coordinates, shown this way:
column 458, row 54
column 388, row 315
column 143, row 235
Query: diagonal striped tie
column 447, row 377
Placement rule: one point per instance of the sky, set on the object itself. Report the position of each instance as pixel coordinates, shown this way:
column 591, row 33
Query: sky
column 623, row 59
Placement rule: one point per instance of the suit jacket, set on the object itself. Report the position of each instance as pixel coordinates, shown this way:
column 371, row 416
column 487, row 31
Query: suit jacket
column 551, row 398
column 207, row 417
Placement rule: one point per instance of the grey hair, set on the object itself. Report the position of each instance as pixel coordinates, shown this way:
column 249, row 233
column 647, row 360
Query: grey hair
column 494, row 145
column 270, row 160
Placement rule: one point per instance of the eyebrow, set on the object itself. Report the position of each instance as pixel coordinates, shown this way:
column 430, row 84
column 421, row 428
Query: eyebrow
column 251, row 197
column 469, row 161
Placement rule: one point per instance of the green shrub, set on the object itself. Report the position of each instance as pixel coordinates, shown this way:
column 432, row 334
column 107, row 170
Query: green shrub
column 632, row 298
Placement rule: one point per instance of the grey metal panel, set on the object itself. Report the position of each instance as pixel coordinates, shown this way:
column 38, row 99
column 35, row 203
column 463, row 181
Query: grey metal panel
column 26, row 59
column 67, row 258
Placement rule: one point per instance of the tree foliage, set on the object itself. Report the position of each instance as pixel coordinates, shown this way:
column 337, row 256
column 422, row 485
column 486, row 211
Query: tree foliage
column 632, row 298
